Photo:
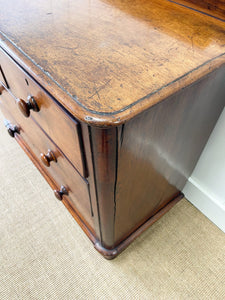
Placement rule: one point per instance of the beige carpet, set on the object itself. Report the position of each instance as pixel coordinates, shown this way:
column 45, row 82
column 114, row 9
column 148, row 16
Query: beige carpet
column 45, row 255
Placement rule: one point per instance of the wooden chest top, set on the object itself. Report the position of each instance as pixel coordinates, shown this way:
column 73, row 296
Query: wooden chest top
column 108, row 60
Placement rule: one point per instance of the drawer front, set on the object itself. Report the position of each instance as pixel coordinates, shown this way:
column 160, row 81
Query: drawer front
column 62, row 129
column 62, row 172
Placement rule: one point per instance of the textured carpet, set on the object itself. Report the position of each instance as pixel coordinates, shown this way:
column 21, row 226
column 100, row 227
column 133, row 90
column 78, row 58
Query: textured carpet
column 45, row 255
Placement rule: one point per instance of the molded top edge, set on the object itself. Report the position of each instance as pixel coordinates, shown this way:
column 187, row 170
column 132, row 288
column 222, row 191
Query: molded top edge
column 116, row 58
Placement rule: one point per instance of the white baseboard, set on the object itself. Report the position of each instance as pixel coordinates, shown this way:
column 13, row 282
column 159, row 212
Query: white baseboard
column 208, row 203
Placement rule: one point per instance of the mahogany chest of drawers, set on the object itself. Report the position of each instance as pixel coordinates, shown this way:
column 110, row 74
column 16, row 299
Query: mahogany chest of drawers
column 113, row 101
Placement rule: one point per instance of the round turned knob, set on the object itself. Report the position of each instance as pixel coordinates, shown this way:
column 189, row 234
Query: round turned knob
column 25, row 107
column 11, row 129
column 1, row 88
column 59, row 193
column 11, row 132
column 47, row 158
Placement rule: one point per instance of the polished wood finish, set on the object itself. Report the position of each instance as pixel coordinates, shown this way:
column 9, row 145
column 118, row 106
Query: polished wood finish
column 144, row 164
column 11, row 129
column 62, row 172
column 60, row 193
column 112, row 253
column 104, row 151
column 160, row 148
column 86, row 132
column 75, row 213
column 47, row 158
column 26, row 106
column 212, row 7
column 51, row 117
column 127, row 92
column 116, row 58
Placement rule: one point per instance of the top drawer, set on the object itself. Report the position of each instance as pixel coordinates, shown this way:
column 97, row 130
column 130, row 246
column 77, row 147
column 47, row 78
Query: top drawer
column 59, row 126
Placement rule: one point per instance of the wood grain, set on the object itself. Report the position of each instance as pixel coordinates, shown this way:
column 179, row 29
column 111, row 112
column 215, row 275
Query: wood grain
column 160, row 148
column 61, row 171
column 88, row 146
column 104, row 153
column 145, row 78
column 51, row 117
column 213, row 7
column 112, row 253
column 115, row 58
column 76, row 215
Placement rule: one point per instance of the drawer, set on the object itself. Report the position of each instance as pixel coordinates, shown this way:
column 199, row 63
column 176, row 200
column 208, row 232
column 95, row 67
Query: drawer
column 62, row 171
column 63, row 129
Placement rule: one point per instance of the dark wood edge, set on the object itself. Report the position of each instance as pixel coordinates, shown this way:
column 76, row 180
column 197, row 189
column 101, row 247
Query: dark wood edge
column 76, row 215
column 80, row 221
column 107, row 253
column 3, row 77
column 98, row 118
column 203, row 7
column 83, row 170
column 82, row 150
column 112, row 253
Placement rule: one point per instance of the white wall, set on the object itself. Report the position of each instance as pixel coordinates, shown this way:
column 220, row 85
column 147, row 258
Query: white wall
column 206, row 187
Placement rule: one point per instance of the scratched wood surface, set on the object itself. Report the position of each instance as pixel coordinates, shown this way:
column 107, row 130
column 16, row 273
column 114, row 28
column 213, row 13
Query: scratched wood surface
column 215, row 8
column 107, row 60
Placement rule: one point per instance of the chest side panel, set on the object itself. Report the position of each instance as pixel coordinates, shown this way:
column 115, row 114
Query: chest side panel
column 159, row 149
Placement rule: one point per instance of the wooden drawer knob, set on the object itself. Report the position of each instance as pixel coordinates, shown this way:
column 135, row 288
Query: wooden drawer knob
column 59, row 193
column 25, row 107
column 11, row 129
column 47, row 158
column 1, row 88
